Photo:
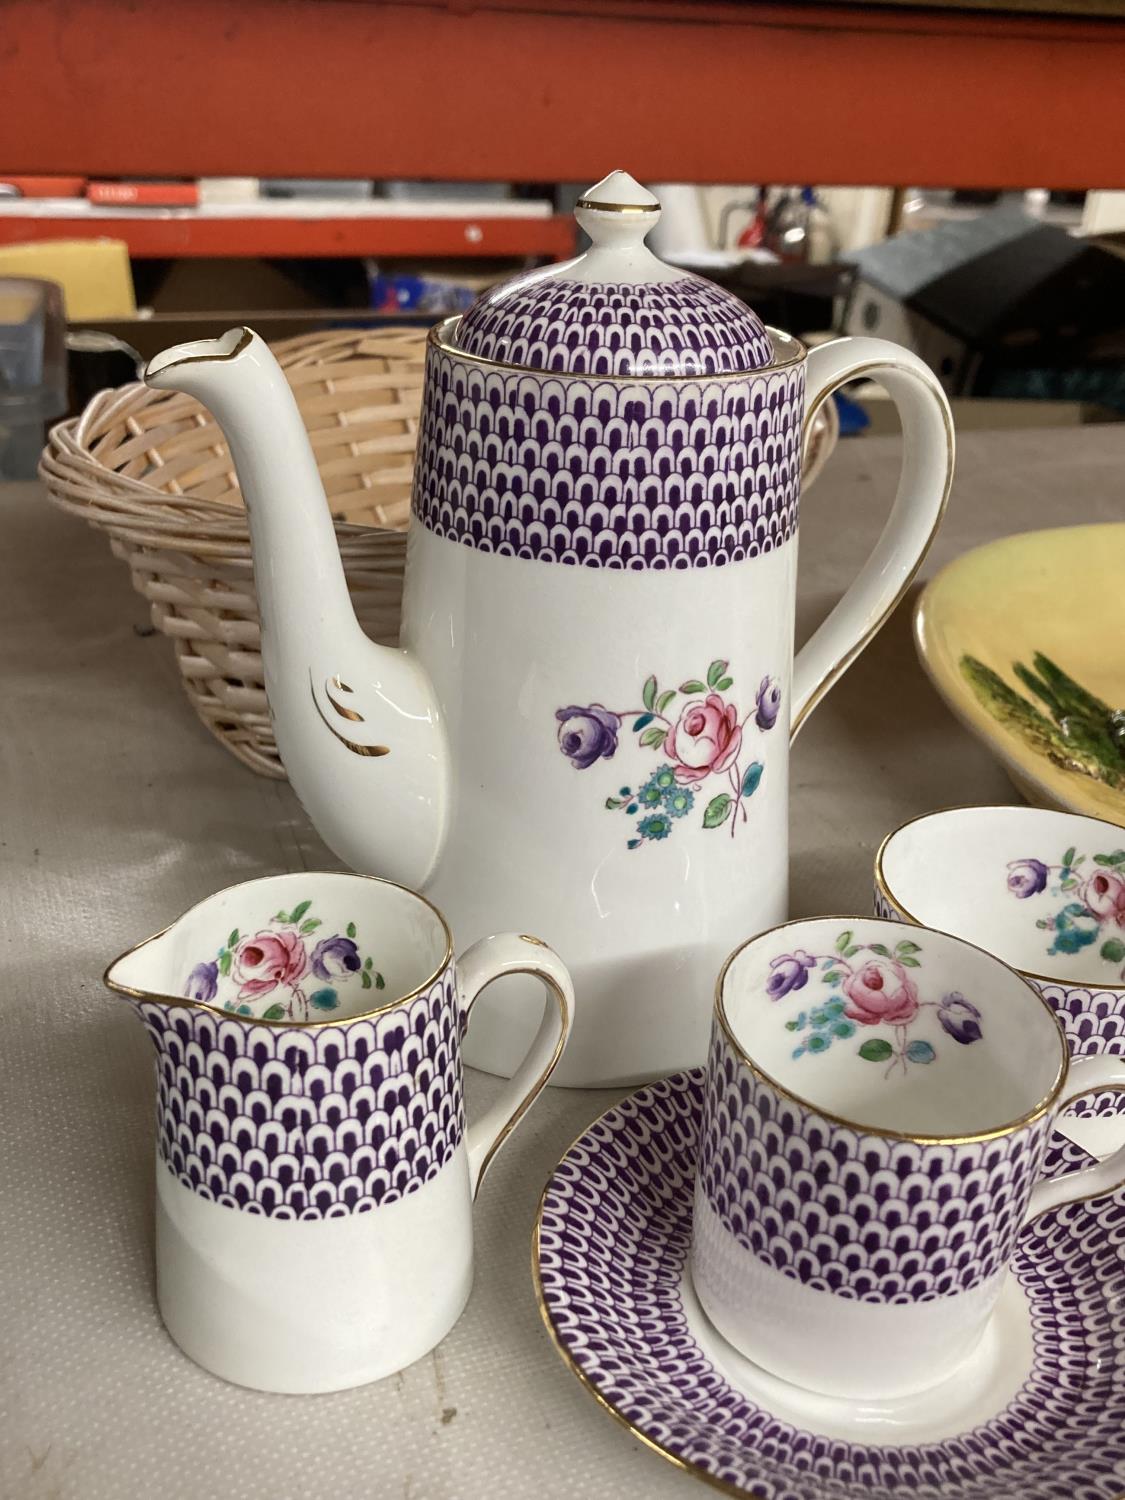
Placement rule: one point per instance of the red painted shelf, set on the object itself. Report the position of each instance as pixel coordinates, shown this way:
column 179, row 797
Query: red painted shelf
column 564, row 90
column 178, row 234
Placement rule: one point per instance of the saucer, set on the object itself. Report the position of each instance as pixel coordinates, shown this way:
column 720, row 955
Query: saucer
column 1037, row 1413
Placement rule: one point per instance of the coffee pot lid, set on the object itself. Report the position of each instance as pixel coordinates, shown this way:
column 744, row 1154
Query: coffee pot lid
column 617, row 309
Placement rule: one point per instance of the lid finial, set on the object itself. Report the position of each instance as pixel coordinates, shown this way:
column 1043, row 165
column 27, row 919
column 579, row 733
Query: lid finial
column 619, row 193
column 617, row 212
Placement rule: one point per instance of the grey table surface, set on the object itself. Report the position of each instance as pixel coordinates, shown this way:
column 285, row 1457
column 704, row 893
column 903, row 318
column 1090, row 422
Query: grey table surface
column 118, row 810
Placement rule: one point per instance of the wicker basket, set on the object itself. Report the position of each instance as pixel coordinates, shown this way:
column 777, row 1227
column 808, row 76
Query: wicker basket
column 152, row 469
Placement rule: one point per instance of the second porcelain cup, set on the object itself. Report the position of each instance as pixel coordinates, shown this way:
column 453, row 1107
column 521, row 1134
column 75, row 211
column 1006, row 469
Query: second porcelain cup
column 877, row 1110
column 314, row 1172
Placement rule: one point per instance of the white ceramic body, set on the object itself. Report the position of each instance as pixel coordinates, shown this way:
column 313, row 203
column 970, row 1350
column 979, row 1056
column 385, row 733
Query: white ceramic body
column 440, row 765
column 305, row 1307
column 824, row 1343
column 534, row 847
column 992, row 875
column 315, row 1181
column 853, row 1237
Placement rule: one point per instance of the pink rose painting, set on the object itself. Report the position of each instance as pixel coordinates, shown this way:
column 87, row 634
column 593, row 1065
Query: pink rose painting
column 263, row 962
column 1104, row 895
column 869, row 985
column 286, row 971
column 702, row 738
column 881, row 990
column 1092, row 896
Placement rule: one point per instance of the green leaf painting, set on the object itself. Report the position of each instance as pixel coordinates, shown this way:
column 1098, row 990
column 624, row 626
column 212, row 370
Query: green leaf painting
column 752, row 779
column 718, row 810
column 284, row 969
column 705, row 743
column 876, row 1050
column 862, row 984
column 1089, row 916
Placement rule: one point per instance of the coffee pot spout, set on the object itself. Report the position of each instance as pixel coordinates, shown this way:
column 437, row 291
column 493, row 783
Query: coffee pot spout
column 358, row 724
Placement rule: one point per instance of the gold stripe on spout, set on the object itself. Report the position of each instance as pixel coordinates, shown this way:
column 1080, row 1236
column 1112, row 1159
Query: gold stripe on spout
column 345, row 713
column 352, row 745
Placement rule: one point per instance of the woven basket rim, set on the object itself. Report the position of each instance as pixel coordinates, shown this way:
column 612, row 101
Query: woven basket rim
column 78, row 481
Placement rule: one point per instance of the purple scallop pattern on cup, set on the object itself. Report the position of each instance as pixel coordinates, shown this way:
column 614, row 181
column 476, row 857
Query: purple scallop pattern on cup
column 685, row 327
column 1094, row 1022
column 609, row 474
column 884, row 909
column 614, row 1239
column 837, row 1209
column 1093, row 1019
column 298, row 1122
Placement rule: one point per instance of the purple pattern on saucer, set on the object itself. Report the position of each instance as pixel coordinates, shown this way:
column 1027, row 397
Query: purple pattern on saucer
column 609, row 474
column 685, row 327
column 613, row 1244
column 894, row 1221
column 1093, row 1019
column 298, row 1122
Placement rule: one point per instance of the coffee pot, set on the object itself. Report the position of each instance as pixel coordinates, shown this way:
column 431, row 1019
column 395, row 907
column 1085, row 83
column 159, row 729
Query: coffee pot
column 584, row 732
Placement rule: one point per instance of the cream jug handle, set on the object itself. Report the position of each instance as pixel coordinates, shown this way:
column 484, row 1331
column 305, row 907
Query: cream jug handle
column 923, row 488
column 492, row 957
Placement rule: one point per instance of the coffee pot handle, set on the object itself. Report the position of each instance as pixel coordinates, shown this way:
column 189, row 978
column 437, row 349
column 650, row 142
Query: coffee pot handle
column 1086, row 1075
column 492, row 957
column 923, row 488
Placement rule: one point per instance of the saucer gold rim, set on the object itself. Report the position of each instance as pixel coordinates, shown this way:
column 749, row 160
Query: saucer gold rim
column 684, row 1465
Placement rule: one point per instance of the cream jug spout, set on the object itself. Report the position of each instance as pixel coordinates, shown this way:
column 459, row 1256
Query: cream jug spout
column 358, row 724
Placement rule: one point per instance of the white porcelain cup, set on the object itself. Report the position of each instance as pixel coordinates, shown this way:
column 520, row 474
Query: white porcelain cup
column 1043, row 890
column 314, row 1171
column 878, row 1105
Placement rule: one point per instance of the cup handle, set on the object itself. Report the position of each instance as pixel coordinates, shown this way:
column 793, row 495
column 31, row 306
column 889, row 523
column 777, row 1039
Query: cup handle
column 1086, row 1074
column 492, row 957
column 923, row 489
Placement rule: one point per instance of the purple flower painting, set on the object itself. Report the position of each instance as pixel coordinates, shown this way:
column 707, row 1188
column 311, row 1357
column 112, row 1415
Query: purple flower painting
column 266, row 974
column 869, row 985
column 701, row 734
column 1092, row 896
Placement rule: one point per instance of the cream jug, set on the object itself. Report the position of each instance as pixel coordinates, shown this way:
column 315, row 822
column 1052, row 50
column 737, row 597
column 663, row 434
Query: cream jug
column 584, row 731
column 315, row 1170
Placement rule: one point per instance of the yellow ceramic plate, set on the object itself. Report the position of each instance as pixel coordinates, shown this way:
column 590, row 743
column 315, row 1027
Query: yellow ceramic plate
column 1023, row 640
